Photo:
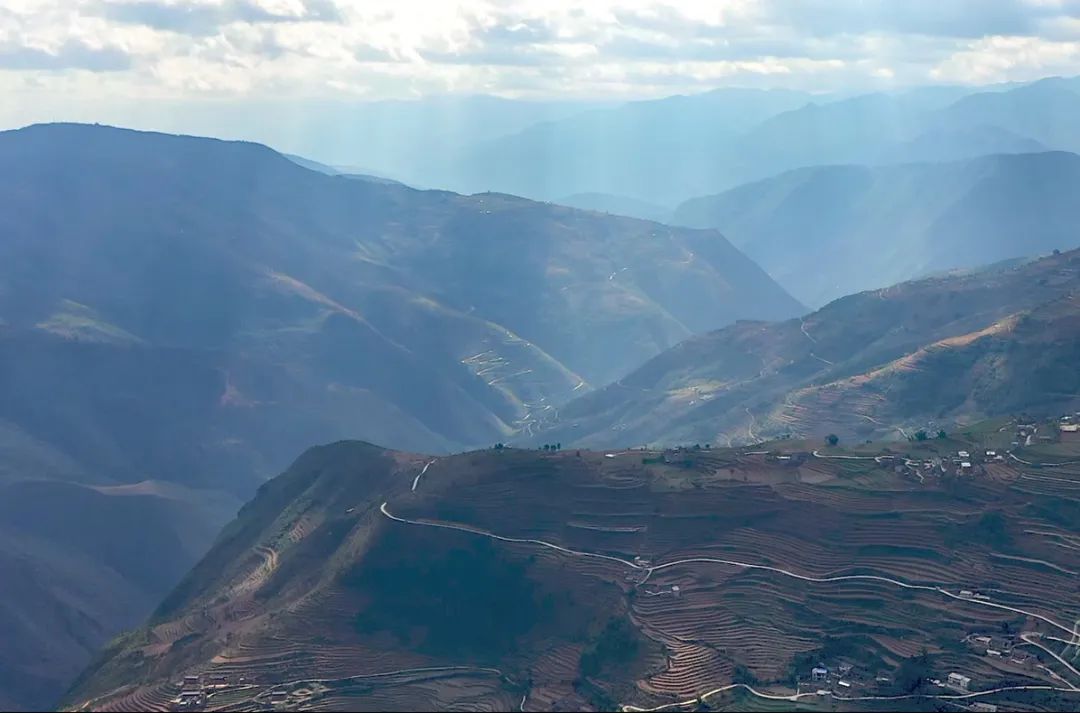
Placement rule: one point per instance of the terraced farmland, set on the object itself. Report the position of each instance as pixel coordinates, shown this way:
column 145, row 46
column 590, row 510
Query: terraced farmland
column 512, row 579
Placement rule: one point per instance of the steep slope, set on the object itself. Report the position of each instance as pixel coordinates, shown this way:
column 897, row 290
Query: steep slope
column 868, row 227
column 924, row 354
column 521, row 580
column 197, row 312
column 80, row 562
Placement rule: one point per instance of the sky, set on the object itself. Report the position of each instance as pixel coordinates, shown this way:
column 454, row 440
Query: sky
column 57, row 52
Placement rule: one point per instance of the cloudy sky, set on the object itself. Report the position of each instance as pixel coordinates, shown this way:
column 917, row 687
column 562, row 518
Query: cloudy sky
column 56, row 51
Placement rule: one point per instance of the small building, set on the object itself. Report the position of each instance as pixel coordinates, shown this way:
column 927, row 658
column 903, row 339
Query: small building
column 991, row 454
column 981, row 707
column 675, row 590
column 957, row 680
column 1070, row 427
column 993, row 652
column 963, row 454
column 190, row 682
column 965, row 465
column 819, row 673
column 843, row 684
column 190, row 699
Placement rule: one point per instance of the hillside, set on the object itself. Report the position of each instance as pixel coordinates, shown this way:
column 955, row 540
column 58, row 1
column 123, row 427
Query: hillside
column 195, row 312
column 79, row 562
column 509, row 579
column 868, row 227
column 925, row 354
column 617, row 205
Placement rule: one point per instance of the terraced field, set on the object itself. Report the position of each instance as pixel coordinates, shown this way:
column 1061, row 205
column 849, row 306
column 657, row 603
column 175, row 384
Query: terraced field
column 511, row 579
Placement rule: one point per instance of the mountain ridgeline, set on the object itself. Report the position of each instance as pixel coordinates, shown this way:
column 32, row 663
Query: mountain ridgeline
column 179, row 317
column 510, row 579
column 670, row 150
column 923, row 354
column 867, row 227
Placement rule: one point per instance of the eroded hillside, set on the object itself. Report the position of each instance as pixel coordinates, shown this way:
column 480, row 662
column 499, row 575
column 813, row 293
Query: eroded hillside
column 370, row 579
column 925, row 354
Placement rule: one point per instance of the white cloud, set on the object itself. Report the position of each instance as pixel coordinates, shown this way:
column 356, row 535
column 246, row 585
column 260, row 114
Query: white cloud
column 386, row 48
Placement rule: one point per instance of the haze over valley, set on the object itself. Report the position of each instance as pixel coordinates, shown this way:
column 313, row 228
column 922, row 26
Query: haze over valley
column 491, row 356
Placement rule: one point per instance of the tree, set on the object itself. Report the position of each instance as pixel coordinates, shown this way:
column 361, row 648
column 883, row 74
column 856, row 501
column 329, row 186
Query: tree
column 547, row 447
column 942, row 435
column 920, row 435
column 832, row 439
column 558, row 446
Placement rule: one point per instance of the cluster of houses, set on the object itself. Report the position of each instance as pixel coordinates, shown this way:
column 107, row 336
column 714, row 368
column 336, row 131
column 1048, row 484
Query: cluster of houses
column 192, row 696
column 821, row 675
column 196, row 689
column 1000, row 647
column 961, row 463
column 1029, row 434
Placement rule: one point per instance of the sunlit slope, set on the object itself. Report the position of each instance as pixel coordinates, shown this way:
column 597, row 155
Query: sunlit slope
column 198, row 312
column 885, row 363
column 507, row 579
column 360, row 288
column 829, row 231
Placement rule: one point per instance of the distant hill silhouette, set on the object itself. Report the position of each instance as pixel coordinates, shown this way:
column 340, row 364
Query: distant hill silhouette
column 942, row 350
column 863, row 227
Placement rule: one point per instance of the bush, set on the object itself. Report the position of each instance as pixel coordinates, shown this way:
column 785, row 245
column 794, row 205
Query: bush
column 832, row 439
column 617, row 645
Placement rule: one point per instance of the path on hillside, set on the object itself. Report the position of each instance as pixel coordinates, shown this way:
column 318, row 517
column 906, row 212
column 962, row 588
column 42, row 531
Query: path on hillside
column 416, row 480
column 648, row 570
column 816, row 454
column 802, row 328
column 1044, row 465
column 524, row 541
column 794, row 697
column 1027, row 638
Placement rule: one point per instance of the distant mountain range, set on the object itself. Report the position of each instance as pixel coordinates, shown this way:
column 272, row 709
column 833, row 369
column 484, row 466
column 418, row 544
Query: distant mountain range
column 829, row 231
column 184, row 315
column 926, row 354
column 670, row 150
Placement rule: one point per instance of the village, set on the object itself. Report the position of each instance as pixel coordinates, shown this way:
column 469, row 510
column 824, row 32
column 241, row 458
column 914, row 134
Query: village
column 200, row 692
